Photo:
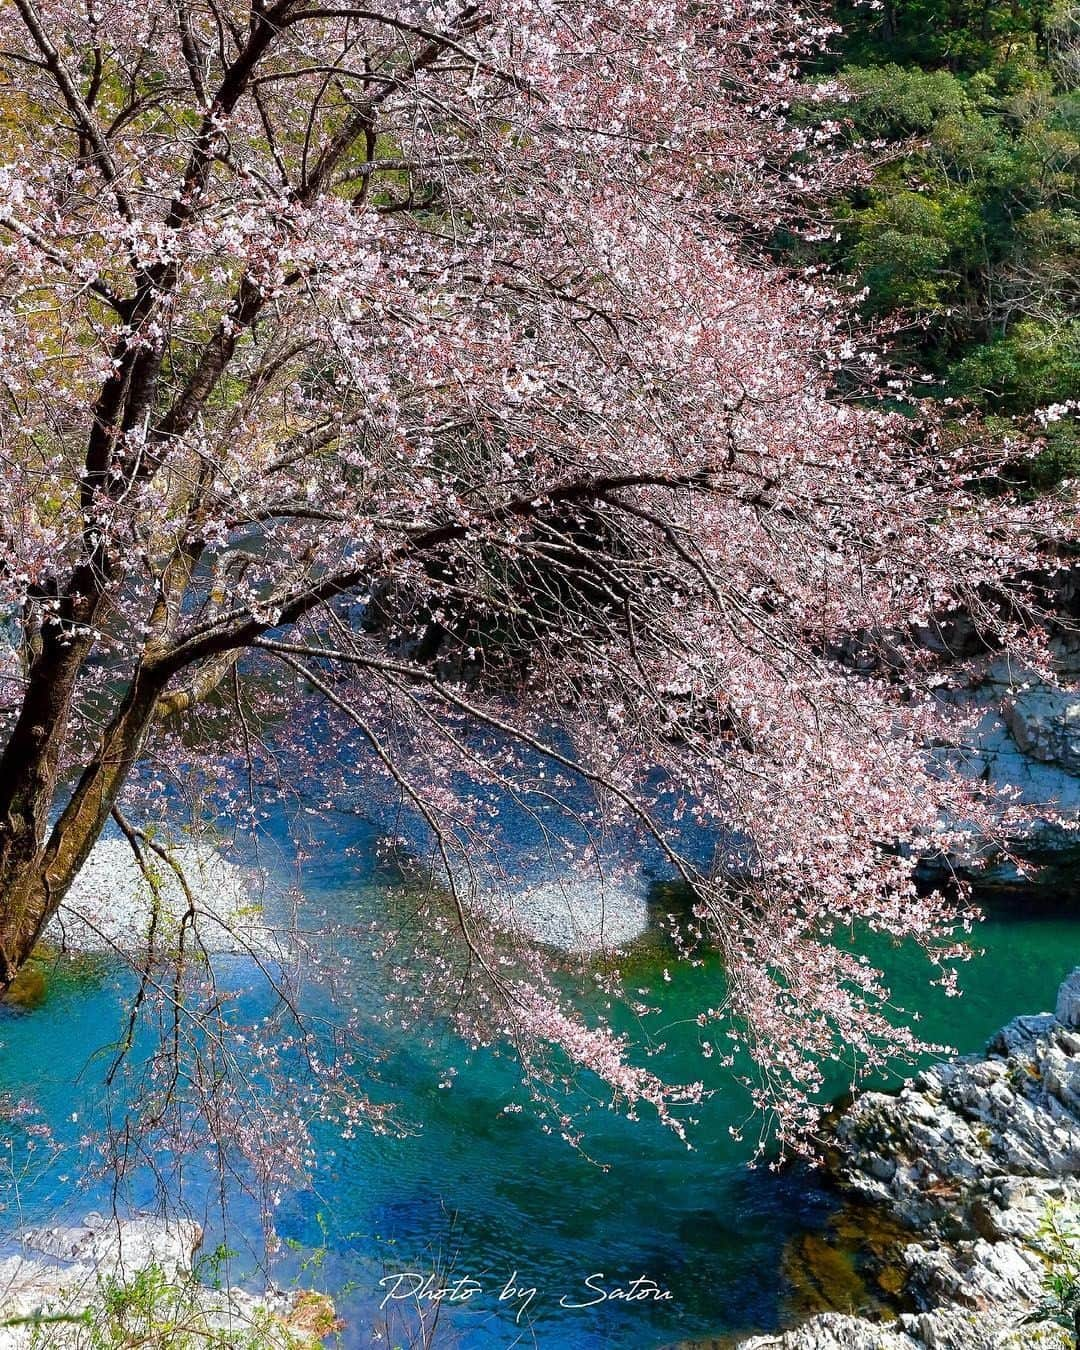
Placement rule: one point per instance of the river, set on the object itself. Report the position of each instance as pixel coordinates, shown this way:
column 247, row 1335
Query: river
column 472, row 1192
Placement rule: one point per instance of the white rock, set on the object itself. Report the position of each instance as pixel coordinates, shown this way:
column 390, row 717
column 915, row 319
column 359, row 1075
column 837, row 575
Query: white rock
column 111, row 906
column 111, row 1244
column 1068, row 1001
column 572, row 914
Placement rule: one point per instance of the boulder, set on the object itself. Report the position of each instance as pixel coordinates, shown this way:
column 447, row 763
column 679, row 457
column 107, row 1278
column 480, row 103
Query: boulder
column 1068, row 1002
column 115, row 1245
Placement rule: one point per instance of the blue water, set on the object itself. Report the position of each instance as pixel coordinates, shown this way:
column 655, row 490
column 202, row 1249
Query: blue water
column 472, row 1192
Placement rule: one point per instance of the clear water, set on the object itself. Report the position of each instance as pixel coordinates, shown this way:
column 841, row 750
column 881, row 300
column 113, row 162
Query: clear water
column 475, row 1192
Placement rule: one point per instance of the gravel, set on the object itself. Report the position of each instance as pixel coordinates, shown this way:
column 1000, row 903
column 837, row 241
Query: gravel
column 111, row 905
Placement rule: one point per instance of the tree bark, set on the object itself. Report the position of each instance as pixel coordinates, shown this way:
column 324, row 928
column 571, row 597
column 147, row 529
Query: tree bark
column 36, row 872
column 30, row 761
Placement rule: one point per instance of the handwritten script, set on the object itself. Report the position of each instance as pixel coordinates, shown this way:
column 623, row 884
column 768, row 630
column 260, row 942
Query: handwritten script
column 423, row 1287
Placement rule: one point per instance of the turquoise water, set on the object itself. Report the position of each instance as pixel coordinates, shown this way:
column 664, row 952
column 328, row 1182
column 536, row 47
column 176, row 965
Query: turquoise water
column 475, row 1193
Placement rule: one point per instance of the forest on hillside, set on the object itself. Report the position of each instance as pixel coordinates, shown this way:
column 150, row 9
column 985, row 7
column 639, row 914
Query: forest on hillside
column 967, row 233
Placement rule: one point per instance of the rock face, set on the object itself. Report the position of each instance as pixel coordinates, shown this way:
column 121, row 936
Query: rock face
column 1022, row 734
column 60, row 1273
column 968, row 1156
column 1045, row 724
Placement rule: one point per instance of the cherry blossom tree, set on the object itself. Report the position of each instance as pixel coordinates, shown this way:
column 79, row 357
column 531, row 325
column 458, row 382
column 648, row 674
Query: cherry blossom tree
column 408, row 359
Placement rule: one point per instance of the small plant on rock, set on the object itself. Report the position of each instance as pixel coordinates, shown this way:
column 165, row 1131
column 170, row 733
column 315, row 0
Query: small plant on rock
column 1059, row 1234
column 155, row 1311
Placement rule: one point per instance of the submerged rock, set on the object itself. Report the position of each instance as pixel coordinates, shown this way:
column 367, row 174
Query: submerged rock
column 573, row 915
column 112, row 906
column 28, row 989
column 54, row 1282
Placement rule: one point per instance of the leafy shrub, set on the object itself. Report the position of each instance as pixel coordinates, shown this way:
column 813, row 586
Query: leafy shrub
column 1059, row 1234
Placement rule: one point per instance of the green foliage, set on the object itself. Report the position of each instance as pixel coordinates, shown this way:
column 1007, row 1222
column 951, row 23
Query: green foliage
column 961, row 35
column 1059, row 1236
column 971, row 222
column 892, row 101
column 969, row 227
column 149, row 1309
column 907, row 248
column 1060, row 460
column 1034, row 365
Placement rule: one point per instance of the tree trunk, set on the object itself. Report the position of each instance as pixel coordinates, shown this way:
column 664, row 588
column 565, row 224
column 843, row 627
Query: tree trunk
column 35, row 872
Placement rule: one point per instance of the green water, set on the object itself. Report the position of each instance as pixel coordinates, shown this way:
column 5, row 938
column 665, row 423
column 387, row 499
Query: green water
column 477, row 1193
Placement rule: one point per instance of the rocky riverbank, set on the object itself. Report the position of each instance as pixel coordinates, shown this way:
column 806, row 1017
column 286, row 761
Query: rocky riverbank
column 969, row 1158
column 1021, row 733
column 108, row 1282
